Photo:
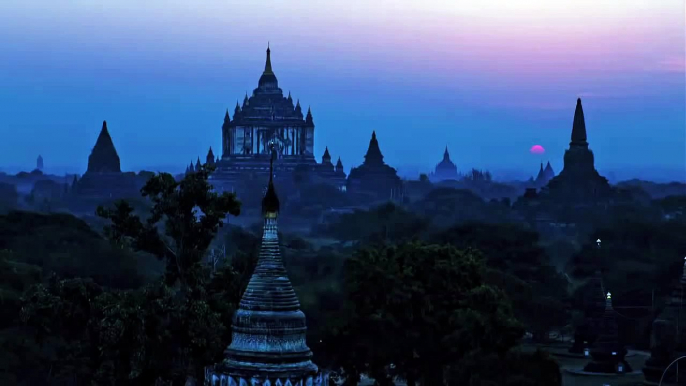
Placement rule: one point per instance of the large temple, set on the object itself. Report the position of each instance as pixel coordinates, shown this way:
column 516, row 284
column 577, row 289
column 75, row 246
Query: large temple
column 267, row 116
column 268, row 345
column 579, row 182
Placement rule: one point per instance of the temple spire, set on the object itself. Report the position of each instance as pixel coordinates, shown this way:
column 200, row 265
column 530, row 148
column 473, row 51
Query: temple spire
column 268, row 63
column 373, row 155
column 308, row 118
column 579, row 126
column 298, row 109
column 446, row 155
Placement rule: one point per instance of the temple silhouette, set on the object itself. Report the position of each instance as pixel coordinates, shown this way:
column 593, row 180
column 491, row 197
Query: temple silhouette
column 267, row 116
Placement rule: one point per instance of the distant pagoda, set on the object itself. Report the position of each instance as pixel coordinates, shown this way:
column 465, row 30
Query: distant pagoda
column 104, row 157
column 544, row 176
column 446, row 169
column 268, row 344
column 579, row 182
column 104, row 178
column 374, row 177
column 39, row 163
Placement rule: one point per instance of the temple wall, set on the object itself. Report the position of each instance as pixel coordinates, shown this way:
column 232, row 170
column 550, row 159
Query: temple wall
column 294, row 139
column 309, row 141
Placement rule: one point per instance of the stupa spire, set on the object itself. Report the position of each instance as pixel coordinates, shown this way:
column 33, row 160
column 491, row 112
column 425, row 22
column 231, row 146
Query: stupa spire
column 268, row 62
column 446, row 155
column 373, row 155
column 270, row 202
column 579, row 126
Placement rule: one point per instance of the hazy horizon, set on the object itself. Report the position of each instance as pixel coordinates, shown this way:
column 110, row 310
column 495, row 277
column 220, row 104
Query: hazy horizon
column 489, row 80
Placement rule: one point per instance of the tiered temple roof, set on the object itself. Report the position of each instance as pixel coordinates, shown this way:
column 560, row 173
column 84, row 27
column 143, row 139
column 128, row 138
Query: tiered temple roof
column 266, row 116
column 267, row 103
column 268, row 344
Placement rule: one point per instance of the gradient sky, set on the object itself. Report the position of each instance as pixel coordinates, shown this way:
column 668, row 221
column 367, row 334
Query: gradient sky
column 489, row 79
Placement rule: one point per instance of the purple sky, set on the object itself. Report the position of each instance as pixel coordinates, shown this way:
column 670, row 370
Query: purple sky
column 489, row 81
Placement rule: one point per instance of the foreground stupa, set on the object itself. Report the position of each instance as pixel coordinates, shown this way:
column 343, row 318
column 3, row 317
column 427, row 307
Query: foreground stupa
column 268, row 346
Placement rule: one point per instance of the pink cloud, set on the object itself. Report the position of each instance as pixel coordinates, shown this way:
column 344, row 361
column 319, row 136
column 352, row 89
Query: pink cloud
column 674, row 64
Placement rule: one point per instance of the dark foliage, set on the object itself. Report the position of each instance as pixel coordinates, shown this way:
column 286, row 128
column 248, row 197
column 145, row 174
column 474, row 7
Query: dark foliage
column 418, row 308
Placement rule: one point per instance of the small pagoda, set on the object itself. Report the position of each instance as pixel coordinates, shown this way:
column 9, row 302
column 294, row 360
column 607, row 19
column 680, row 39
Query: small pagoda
column 607, row 354
column 446, row 169
column 268, row 346
column 104, row 178
column 374, row 177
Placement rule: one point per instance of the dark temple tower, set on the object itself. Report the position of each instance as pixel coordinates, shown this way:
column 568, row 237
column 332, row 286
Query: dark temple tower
column 104, row 157
column 579, row 182
column 104, row 178
column 374, row 177
column 268, row 345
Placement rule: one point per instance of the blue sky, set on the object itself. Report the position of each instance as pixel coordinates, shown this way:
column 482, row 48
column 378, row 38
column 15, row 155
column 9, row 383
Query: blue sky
column 489, row 81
